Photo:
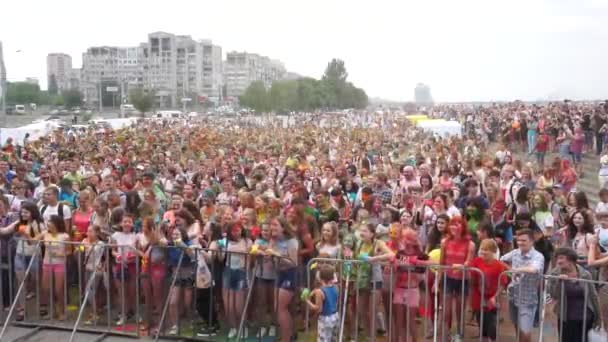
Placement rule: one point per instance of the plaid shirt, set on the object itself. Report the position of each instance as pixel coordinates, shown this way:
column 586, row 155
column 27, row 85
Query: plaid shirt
column 385, row 194
column 524, row 287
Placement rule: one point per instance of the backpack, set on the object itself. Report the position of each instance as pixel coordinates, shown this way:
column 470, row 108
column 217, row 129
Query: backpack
column 59, row 210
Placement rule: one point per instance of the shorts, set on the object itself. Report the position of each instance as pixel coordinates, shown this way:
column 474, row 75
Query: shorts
column 156, row 272
column 235, row 279
column 522, row 316
column 408, row 297
column 327, row 328
column 489, row 323
column 287, row 279
column 54, row 268
column 577, row 157
column 265, row 282
column 126, row 272
column 184, row 278
column 23, row 261
column 455, row 286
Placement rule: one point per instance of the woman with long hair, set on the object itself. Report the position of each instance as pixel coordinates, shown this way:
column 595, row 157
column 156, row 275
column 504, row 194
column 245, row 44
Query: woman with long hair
column 371, row 251
column 81, row 218
column 151, row 247
column 53, row 264
column 457, row 250
column 283, row 244
column 578, row 235
column 235, row 275
column 25, row 230
column 541, row 214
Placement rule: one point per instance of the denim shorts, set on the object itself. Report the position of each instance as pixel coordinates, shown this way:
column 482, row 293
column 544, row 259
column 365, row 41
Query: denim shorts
column 287, row 279
column 235, row 279
column 522, row 316
column 23, row 261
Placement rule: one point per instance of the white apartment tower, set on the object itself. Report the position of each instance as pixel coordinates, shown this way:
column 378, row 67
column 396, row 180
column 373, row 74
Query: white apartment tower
column 242, row 68
column 59, row 66
column 110, row 71
column 177, row 67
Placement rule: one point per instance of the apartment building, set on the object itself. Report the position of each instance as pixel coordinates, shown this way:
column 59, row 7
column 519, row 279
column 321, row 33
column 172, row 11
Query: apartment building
column 59, row 66
column 243, row 68
column 177, row 66
column 110, row 71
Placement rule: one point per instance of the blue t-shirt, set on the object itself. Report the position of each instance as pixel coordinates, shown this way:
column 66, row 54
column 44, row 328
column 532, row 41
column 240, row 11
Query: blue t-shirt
column 174, row 254
column 330, row 302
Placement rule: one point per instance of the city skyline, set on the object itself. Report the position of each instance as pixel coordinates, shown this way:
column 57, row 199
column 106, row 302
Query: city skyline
column 466, row 51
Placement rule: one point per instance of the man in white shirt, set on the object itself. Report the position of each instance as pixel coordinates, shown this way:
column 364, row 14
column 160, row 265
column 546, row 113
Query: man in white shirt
column 45, row 182
column 51, row 206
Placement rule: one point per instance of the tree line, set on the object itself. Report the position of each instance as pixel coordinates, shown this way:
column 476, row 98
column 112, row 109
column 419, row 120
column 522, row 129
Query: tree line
column 332, row 91
column 25, row 93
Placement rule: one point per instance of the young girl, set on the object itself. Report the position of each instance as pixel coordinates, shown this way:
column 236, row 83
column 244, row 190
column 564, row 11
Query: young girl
column 265, row 280
column 94, row 253
column 406, row 297
column 181, row 247
column 53, row 264
column 456, row 251
column 235, row 275
column 124, row 268
column 29, row 225
column 369, row 280
column 151, row 248
column 284, row 244
column 491, row 269
column 328, row 246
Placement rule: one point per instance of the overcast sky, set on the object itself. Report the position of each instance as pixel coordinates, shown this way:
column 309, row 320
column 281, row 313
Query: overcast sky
column 465, row 50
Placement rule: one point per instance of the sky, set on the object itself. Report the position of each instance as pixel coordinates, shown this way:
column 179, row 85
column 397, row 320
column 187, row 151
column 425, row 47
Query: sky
column 477, row 50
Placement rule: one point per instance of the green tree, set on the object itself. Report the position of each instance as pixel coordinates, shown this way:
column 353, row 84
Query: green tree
column 52, row 88
column 284, row 96
column 22, row 93
column 141, row 100
column 256, row 97
column 72, row 98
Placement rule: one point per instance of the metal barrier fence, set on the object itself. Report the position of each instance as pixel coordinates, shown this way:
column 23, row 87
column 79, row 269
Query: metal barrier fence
column 590, row 314
column 430, row 278
column 86, row 279
column 242, row 289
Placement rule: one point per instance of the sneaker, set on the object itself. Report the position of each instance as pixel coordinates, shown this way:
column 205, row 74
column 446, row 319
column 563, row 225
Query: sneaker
column 232, row 333
column 272, row 331
column 207, row 331
column 122, row 319
column 173, row 330
column 92, row 319
column 262, row 332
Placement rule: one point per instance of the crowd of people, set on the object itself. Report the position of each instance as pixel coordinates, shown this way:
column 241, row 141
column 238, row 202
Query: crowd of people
column 194, row 212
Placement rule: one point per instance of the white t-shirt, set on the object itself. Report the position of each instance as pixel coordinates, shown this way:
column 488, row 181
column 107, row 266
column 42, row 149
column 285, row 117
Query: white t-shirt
column 125, row 239
column 54, row 210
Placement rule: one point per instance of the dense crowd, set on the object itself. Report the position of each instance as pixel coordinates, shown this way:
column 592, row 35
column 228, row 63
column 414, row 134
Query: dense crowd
column 191, row 206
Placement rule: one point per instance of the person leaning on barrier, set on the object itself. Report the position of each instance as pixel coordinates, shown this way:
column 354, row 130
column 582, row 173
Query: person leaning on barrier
column 527, row 265
column 574, row 303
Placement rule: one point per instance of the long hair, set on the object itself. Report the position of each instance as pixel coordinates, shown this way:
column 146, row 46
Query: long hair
column 434, row 240
column 586, row 228
column 457, row 219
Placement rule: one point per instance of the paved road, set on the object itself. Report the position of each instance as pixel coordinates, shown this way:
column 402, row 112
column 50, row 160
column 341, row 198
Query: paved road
column 49, row 335
column 21, row 120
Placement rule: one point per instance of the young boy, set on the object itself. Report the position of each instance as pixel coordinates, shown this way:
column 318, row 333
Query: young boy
column 326, row 304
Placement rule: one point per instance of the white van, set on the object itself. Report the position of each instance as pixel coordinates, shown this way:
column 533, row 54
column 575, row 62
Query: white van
column 19, row 109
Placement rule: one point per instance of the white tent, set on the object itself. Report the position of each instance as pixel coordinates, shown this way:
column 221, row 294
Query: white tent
column 441, row 127
column 36, row 130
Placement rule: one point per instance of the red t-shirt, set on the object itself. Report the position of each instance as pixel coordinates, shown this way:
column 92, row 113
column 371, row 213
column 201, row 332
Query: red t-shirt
column 542, row 144
column 491, row 272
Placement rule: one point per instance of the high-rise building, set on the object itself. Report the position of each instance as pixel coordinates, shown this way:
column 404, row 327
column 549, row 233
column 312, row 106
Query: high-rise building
column 2, row 82
column 177, row 67
column 422, row 94
column 59, row 66
column 242, row 68
column 110, row 71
